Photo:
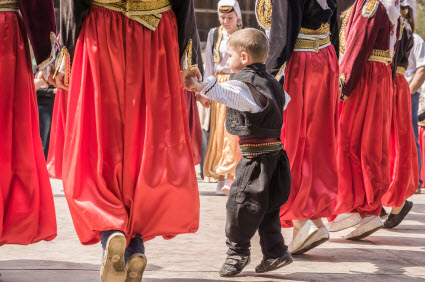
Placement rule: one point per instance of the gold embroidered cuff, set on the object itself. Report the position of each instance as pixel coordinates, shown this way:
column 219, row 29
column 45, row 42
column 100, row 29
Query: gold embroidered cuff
column 186, row 60
column 63, row 65
column 401, row 70
column 281, row 72
column 381, row 56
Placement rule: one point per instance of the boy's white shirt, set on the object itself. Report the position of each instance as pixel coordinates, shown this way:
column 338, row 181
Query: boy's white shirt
column 234, row 94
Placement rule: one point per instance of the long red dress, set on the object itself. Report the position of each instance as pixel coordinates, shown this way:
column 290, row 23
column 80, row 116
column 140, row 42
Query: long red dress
column 128, row 162
column 309, row 134
column 364, row 129
column 27, row 212
column 57, row 135
column 403, row 156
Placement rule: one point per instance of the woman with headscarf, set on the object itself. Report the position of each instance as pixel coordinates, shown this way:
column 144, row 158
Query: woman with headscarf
column 403, row 153
column 305, row 61
column 222, row 151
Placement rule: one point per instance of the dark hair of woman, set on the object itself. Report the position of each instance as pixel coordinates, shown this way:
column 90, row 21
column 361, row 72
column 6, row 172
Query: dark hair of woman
column 407, row 13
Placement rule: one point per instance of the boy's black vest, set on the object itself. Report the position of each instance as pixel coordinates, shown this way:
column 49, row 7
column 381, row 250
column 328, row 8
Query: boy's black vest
column 268, row 122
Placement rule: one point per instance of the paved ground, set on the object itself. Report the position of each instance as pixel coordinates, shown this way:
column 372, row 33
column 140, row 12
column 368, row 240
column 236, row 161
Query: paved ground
column 396, row 255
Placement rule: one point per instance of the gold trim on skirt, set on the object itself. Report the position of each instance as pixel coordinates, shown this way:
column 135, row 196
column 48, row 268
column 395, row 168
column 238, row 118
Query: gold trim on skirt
column 223, row 151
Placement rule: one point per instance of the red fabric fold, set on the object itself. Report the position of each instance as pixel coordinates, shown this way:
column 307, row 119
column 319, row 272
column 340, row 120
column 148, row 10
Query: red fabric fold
column 27, row 212
column 194, row 125
column 128, row 162
column 57, row 135
column 363, row 143
column 403, row 154
column 309, row 134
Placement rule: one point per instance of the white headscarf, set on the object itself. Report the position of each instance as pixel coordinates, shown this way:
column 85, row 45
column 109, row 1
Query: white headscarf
column 411, row 4
column 231, row 3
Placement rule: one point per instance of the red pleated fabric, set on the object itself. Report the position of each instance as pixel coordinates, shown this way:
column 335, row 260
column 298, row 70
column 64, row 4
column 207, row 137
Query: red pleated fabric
column 421, row 133
column 363, row 143
column 57, row 135
column 27, row 211
column 194, row 125
column 403, row 154
column 128, row 162
column 309, row 134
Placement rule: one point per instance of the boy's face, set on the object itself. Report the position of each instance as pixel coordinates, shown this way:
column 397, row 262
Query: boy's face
column 237, row 60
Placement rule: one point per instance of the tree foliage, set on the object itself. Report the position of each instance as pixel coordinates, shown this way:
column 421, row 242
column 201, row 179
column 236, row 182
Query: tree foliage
column 420, row 20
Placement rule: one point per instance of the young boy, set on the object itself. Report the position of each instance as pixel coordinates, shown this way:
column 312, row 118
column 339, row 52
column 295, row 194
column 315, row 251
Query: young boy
column 255, row 102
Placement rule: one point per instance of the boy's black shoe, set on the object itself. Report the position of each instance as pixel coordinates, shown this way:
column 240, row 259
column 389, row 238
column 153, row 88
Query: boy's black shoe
column 383, row 214
column 234, row 265
column 267, row 265
column 395, row 219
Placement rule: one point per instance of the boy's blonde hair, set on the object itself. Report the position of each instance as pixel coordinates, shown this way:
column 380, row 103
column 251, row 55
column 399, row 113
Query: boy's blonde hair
column 252, row 41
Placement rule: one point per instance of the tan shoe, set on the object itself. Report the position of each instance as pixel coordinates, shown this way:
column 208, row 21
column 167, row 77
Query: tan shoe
column 305, row 233
column 113, row 266
column 343, row 221
column 318, row 238
column 135, row 267
column 367, row 226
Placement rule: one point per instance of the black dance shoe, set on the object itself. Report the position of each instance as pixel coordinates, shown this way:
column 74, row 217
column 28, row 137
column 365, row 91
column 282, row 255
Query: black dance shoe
column 395, row 219
column 267, row 265
column 234, row 265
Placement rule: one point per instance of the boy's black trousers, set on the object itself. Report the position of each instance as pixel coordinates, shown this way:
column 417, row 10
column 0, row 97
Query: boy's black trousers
column 261, row 187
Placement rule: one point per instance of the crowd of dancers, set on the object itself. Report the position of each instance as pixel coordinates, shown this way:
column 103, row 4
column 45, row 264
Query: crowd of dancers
column 307, row 120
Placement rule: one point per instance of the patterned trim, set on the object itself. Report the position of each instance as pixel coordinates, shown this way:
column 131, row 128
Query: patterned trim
column 186, row 60
column 263, row 12
column 381, row 56
column 370, row 8
column 401, row 31
column 281, row 72
column 313, row 45
column 147, row 13
column 64, row 61
column 323, row 30
column 342, row 39
column 9, row 6
column 401, row 70
column 217, row 45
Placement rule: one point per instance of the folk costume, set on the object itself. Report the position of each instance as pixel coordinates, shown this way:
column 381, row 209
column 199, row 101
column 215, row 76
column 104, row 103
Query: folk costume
column 255, row 103
column 127, row 162
column 27, row 209
column 222, row 152
column 368, row 39
column 304, row 59
column 403, row 154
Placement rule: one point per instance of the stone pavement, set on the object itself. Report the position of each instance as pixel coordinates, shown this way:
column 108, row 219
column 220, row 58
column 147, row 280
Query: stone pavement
column 395, row 255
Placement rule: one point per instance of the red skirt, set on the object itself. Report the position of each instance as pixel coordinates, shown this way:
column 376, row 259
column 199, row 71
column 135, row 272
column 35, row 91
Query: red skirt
column 363, row 143
column 194, row 125
column 403, row 154
column 128, row 161
column 27, row 211
column 57, row 135
column 309, row 134
column 421, row 133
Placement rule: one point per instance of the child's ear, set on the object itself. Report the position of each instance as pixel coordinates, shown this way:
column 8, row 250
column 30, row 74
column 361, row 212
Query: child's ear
column 244, row 57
